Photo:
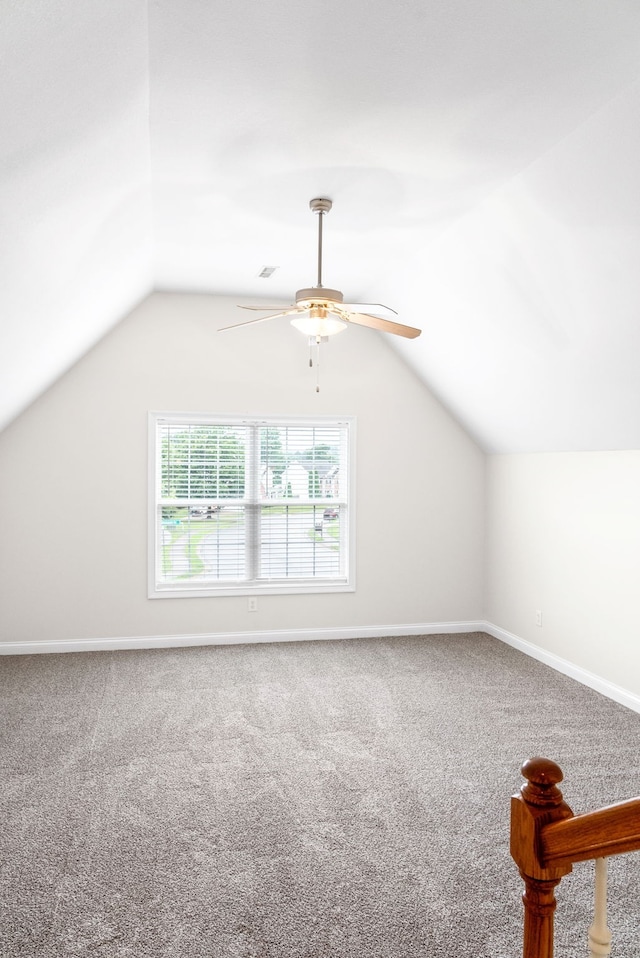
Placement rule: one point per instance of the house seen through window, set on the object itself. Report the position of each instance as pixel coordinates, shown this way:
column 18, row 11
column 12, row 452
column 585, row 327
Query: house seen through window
column 244, row 505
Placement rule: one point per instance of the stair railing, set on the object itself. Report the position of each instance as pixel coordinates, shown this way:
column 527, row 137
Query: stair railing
column 547, row 838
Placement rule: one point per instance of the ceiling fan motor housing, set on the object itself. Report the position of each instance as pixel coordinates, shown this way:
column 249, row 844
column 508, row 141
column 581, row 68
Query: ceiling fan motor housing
column 317, row 295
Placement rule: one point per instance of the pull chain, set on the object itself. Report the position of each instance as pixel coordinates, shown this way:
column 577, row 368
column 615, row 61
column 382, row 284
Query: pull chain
column 315, row 341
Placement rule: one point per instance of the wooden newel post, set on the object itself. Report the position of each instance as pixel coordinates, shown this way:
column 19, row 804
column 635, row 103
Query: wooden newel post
column 539, row 803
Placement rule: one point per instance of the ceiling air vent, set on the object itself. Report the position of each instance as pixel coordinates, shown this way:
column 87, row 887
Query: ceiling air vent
column 267, row 272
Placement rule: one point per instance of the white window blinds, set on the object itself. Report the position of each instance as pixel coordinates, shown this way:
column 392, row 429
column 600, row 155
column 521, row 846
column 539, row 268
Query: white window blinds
column 248, row 505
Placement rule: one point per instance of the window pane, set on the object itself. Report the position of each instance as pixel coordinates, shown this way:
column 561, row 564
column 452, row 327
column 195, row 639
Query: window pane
column 300, row 462
column 203, row 461
column 297, row 542
column 201, row 544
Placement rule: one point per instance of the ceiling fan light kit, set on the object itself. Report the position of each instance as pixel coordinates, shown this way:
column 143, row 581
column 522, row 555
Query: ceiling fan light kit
column 318, row 322
column 319, row 312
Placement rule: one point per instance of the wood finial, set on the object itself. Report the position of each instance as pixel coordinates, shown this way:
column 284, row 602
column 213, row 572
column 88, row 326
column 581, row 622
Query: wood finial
column 542, row 777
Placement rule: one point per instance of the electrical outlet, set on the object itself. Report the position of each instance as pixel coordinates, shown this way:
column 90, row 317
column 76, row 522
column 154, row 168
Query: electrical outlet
column 539, row 618
column 253, row 603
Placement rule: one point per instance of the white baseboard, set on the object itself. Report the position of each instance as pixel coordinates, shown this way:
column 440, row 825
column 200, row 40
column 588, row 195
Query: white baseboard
column 237, row 638
column 609, row 689
column 593, row 681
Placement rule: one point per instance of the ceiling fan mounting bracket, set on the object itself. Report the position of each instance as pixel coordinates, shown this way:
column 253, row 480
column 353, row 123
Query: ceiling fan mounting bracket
column 320, row 205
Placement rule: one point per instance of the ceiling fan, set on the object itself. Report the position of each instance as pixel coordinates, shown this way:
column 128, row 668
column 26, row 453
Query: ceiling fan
column 319, row 311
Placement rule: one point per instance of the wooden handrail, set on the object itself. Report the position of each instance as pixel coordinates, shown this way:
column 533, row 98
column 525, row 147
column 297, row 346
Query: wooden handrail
column 546, row 838
column 609, row 831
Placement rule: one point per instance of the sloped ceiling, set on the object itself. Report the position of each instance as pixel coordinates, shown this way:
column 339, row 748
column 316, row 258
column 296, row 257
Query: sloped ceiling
column 482, row 158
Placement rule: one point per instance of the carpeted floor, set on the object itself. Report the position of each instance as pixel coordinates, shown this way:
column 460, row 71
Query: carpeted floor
column 345, row 799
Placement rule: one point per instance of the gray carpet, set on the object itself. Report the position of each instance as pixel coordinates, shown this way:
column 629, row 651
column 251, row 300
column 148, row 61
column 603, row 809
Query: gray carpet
column 294, row 800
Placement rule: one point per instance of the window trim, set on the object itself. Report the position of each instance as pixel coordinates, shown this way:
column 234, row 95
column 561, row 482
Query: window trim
column 158, row 590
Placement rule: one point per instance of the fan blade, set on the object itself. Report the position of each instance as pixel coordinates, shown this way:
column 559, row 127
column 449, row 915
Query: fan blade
column 374, row 322
column 359, row 307
column 263, row 307
column 260, row 319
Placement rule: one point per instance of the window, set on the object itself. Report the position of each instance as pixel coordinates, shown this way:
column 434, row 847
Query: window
column 249, row 505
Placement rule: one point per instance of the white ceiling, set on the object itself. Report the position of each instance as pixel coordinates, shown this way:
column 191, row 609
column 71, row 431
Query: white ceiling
column 482, row 158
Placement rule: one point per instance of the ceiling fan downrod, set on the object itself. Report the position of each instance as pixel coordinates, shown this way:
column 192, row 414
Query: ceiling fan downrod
column 320, row 206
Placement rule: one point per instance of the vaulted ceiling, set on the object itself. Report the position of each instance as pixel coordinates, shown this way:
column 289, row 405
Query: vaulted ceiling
column 483, row 160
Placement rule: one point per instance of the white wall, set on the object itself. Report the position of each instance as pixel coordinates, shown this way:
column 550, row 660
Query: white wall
column 563, row 537
column 563, row 529
column 73, row 482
